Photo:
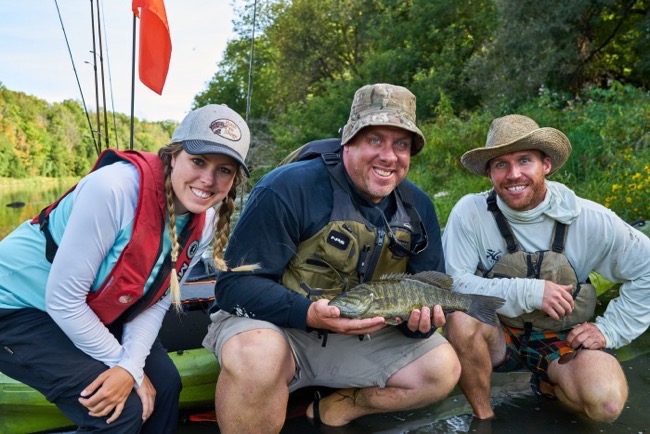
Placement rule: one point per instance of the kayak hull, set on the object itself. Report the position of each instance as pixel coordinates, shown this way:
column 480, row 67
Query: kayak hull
column 24, row 410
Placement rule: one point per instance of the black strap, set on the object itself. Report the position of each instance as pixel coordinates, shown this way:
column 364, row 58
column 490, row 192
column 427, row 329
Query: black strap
column 331, row 158
column 560, row 235
column 502, row 224
column 50, row 245
column 323, row 334
column 311, row 291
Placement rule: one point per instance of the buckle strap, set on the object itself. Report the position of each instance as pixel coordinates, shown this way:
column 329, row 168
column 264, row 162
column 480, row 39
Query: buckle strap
column 330, row 158
column 50, row 245
column 502, row 224
column 560, row 236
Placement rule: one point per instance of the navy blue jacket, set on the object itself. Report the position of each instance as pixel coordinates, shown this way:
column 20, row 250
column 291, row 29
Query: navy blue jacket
column 286, row 207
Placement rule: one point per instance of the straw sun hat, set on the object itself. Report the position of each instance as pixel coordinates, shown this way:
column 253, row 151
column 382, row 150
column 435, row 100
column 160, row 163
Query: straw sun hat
column 514, row 133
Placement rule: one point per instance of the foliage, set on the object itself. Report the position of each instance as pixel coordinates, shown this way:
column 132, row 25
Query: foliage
column 579, row 66
column 630, row 188
column 477, row 52
column 610, row 135
column 53, row 140
column 565, row 45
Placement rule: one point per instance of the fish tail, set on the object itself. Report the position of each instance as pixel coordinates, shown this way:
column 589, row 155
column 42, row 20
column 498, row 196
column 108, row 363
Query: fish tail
column 484, row 308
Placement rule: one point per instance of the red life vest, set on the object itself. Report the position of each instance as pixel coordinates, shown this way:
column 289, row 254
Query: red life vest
column 122, row 292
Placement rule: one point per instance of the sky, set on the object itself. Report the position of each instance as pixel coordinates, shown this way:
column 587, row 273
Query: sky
column 34, row 56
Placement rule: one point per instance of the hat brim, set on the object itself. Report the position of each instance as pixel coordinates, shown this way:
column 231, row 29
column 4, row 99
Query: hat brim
column 199, row 147
column 394, row 120
column 548, row 140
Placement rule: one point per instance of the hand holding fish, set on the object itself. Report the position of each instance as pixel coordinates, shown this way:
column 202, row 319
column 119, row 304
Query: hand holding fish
column 323, row 316
column 586, row 335
column 424, row 319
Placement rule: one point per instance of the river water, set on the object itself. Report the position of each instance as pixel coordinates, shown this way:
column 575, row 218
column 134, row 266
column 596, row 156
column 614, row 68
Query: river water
column 517, row 409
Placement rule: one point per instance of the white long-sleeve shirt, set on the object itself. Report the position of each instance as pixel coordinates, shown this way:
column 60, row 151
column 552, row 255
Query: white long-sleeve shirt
column 92, row 225
column 597, row 240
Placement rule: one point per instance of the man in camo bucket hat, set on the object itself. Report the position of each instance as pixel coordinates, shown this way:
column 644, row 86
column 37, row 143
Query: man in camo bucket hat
column 333, row 216
column 387, row 105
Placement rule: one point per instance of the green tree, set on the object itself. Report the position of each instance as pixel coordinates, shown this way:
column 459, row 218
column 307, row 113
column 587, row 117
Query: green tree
column 562, row 45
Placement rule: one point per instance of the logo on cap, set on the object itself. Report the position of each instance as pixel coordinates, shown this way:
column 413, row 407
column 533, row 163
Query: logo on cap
column 226, row 128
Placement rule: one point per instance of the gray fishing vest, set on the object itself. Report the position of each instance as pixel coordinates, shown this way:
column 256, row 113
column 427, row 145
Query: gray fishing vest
column 550, row 265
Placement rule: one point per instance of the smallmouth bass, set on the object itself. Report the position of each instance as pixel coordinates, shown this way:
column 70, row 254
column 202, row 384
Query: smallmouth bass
column 396, row 295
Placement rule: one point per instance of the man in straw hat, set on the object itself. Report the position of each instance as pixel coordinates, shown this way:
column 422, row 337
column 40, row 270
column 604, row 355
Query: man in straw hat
column 534, row 242
column 319, row 227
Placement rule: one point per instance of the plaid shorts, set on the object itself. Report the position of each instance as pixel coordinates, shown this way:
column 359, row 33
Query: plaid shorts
column 532, row 350
column 535, row 350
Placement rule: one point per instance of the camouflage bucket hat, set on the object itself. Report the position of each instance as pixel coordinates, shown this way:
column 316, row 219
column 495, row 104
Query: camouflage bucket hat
column 383, row 105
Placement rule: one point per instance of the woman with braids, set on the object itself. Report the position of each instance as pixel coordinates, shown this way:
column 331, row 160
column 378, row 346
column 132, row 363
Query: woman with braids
column 84, row 287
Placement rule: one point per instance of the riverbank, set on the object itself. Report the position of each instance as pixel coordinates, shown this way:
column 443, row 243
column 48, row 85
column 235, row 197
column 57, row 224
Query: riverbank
column 9, row 184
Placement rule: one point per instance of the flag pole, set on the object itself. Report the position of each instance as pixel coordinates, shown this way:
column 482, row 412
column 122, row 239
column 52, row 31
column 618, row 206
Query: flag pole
column 132, row 82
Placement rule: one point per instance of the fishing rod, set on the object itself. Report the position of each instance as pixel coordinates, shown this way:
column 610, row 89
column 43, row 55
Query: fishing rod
column 250, row 64
column 132, row 81
column 249, row 91
column 101, row 68
column 83, row 100
column 98, row 146
column 110, row 84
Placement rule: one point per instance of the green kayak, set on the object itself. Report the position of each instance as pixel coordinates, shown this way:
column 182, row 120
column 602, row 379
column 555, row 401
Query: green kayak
column 24, row 410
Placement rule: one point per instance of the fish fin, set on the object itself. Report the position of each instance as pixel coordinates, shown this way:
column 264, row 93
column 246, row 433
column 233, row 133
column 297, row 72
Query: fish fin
column 432, row 277
column 484, row 308
column 395, row 276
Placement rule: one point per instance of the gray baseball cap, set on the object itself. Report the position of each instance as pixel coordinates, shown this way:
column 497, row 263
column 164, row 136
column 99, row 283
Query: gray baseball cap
column 214, row 129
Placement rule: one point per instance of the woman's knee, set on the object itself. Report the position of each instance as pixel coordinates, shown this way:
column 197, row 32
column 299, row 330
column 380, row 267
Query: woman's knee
column 129, row 420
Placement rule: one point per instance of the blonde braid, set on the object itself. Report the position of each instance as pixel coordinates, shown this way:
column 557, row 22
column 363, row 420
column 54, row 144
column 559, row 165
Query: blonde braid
column 222, row 228
column 166, row 154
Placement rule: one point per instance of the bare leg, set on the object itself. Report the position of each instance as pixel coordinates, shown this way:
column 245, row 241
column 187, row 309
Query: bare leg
column 252, row 391
column 592, row 383
column 423, row 381
column 479, row 348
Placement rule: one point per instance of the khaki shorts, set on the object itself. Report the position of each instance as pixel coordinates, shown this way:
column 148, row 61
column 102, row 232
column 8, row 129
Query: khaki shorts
column 345, row 361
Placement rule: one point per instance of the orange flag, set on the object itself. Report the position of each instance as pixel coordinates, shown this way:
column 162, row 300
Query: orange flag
column 155, row 43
